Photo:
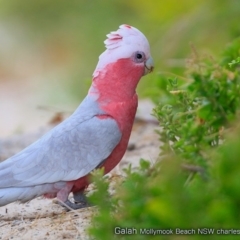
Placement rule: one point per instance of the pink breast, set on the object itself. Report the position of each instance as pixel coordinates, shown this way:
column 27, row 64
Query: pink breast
column 124, row 114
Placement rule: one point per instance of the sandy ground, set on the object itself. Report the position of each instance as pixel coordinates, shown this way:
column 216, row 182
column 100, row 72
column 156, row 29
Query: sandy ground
column 43, row 218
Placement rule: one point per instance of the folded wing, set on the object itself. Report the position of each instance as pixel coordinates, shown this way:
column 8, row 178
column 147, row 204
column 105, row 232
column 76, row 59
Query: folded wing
column 68, row 152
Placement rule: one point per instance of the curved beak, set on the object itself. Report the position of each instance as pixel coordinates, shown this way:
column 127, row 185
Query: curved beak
column 149, row 66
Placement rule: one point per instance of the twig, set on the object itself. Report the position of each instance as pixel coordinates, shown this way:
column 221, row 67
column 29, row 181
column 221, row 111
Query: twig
column 195, row 169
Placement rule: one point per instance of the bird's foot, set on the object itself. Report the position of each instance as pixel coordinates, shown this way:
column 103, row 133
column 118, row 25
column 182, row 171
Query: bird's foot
column 80, row 197
column 68, row 205
column 80, row 201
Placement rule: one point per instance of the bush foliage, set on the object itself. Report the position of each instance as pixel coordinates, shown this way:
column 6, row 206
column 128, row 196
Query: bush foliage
column 195, row 183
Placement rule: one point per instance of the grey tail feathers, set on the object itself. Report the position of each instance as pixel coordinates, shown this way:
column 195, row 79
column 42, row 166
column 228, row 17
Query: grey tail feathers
column 24, row 194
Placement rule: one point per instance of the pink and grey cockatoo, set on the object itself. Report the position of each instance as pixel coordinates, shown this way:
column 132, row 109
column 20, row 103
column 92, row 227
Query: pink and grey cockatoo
column 95, row 135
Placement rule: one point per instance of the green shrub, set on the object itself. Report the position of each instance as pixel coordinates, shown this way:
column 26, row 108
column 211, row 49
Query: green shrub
column 195, row 182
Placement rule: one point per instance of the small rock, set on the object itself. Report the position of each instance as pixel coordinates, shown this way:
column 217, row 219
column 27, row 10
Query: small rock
column 131, row 146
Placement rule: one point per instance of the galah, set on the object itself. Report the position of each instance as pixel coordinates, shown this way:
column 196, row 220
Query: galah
column 96, row 135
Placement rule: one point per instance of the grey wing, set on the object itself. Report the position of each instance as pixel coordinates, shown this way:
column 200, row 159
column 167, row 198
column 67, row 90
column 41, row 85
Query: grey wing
column 66, row 153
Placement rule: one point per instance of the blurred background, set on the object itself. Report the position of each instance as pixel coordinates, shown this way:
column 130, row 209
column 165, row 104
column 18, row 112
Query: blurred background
column 49, row 49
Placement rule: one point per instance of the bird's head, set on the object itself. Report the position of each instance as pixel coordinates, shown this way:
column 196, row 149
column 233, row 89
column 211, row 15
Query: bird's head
column 126, row 44
column 120, row 67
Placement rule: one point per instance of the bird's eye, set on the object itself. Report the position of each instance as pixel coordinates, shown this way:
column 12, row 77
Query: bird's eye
column 139, row 57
